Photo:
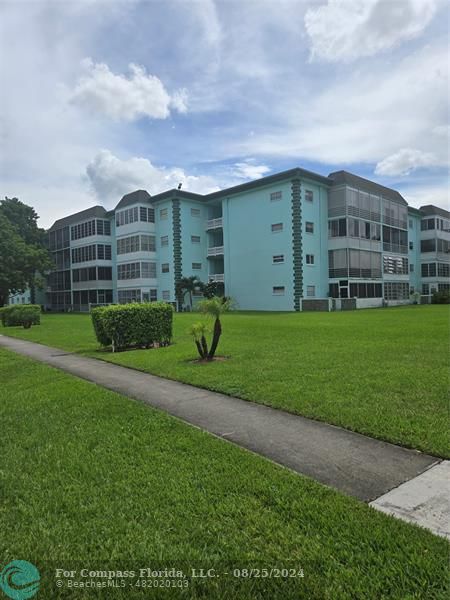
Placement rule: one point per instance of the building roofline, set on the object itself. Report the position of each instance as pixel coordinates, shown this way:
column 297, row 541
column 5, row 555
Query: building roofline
column 431, row 209
column 173, row 193
column 268, row 180
column 414, row 211
column 346, row 178
column 78, row 217
column 138, row 196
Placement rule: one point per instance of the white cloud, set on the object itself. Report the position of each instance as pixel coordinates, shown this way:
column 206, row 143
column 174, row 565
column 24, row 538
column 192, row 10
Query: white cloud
column 344, row 30
column 442, row 130
column 427, row 193
column 250, row 170
column 111, row 177
column 405, row 161
column 179, row 100
column 125, row 98
column 364, row 115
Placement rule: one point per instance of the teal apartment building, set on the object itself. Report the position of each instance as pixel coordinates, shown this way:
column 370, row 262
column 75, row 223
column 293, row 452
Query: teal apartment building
column 291, row 241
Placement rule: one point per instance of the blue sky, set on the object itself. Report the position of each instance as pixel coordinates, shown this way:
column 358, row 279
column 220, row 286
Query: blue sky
column 106, row 97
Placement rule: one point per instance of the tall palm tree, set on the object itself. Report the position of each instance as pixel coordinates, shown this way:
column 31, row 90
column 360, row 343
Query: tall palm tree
column 188, row 285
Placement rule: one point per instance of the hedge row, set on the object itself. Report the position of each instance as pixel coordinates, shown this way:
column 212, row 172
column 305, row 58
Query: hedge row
column 25, row 314
column 442, row 297
column 126, row 325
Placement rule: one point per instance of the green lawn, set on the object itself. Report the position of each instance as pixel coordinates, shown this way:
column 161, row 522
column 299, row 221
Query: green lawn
column 91, row 479
column 380, row 372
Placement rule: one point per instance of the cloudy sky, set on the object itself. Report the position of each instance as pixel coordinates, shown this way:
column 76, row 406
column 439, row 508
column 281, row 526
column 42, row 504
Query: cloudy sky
column 100, row 97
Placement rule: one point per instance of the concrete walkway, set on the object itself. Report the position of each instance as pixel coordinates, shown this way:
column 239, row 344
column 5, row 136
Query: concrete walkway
column 424, row 500
column 352, row 463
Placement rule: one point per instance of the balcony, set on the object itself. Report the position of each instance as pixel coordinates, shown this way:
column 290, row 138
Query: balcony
column 214, row 223
column 215, row 251
column 217, row 277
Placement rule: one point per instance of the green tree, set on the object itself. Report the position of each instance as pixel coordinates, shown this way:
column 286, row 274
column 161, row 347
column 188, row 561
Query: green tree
column 188, row 285
column 213, row 307
column 22, row 251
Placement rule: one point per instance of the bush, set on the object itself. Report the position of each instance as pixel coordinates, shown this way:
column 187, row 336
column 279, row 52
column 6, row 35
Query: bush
column 25, row 315
column 125, row 325
column 99, row 330
column 441, row 297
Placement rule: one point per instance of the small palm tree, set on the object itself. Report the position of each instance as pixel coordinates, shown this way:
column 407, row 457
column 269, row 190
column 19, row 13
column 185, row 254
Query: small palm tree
column 213, row 307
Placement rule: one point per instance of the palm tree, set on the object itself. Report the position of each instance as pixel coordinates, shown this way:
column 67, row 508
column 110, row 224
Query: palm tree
column 188, row 285
column 214, row 307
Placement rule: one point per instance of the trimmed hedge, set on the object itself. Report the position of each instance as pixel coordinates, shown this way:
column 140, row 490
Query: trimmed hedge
column 442, row 297
column 24, row 314
column 125, row 325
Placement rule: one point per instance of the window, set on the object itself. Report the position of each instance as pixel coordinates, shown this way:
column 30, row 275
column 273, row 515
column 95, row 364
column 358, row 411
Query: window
column 150, row 296
column 310, row 259
column 195, row 212
column 126, row 296
column 309, row 196
column 411, row 245
column 165, row 240
column 311, row 290
column 278, row 290
column 427, row 224
column 105, row 273
column 147, row 214
column 425, row 289
column 395, row 265
column 103, row 227
column 278, row 259
column 338, row 263
column 148, row 270
column 275, row 196
column 148, row 243
column 428, row 245
column 84, row 254
column 395, row 240
column 443, row 246
column 86, row 274
column 196, row 266
column 125, row 217
column 365, row 290
column 276, row 227
column 105, row 296
column 163, row 213
column 428, row 269
column 128, row 245
column 309, row 227
column 81, row 230
column 395, row 214
column 364, row 230
column 337, row 228
column 166, row 295
column 443, row 270
column 195, row 239
column 165, row 268
column 396, row 291
column 103, row 252
column 129, row 271
column 410, row 223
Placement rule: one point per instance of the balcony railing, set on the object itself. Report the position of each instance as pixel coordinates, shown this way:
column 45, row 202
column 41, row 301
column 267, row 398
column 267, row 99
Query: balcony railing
column 214, row 223
column 217, row 277
column 215, row 251
column 397, row 248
